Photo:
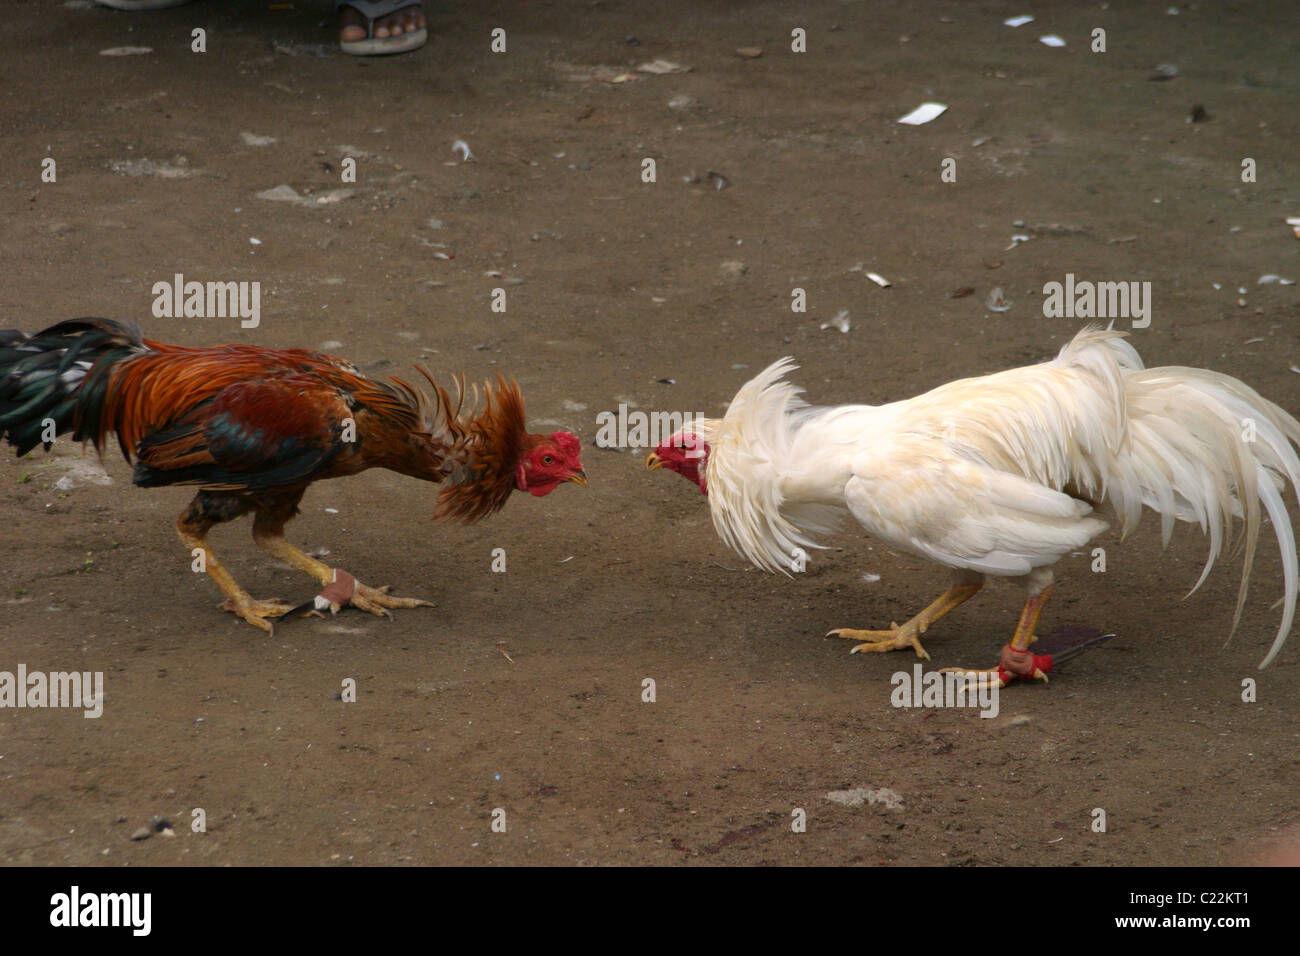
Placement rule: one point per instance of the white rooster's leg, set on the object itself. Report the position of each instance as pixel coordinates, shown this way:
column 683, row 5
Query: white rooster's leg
column 1017, row 661
column 907, row 635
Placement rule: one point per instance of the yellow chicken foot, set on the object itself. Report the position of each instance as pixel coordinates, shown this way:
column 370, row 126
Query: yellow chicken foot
column 341, row 588
column 260, row 614
column 1016, row 662
column 344, row 589
column 909, row 635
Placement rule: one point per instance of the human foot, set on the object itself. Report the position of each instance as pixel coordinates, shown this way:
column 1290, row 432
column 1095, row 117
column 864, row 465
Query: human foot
column 369, row 27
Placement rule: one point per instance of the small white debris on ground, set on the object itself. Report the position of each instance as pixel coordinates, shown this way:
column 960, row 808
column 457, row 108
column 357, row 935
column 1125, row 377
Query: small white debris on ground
column 923, row 114
column 840, row 321
column 871, row 796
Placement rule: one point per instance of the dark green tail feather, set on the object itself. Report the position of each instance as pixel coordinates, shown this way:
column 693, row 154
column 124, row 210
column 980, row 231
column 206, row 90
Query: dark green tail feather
column 40, row 378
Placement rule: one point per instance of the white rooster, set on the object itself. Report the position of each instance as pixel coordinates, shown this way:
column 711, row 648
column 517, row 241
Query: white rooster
column 999, row 475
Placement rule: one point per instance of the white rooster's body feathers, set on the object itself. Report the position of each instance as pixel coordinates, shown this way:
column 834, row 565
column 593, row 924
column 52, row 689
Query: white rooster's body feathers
column 999, row 475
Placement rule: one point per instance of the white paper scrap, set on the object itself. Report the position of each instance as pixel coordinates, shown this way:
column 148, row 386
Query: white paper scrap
column 924, row 114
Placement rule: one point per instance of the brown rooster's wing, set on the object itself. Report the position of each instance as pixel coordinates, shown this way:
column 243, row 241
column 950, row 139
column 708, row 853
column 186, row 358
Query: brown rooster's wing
column 262, row 433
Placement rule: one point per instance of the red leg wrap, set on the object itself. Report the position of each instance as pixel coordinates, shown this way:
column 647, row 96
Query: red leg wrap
column 1021, row 665
column 339, row 591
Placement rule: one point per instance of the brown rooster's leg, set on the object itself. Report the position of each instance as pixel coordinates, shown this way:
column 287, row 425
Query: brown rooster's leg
column 1017, row 661
column 909, row 635
column 268, row 532
column 193, row 526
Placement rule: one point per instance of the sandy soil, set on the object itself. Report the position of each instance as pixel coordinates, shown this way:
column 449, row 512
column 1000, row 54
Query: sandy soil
column 624, row 284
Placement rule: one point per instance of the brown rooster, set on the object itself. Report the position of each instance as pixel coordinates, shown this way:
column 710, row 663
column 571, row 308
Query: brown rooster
column 253, row 427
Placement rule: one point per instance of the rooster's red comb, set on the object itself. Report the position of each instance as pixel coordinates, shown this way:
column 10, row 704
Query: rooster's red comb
column 568, row 444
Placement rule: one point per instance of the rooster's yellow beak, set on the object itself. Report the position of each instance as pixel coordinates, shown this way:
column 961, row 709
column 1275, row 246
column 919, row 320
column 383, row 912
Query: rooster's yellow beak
column 653, row 461
column 578, row 478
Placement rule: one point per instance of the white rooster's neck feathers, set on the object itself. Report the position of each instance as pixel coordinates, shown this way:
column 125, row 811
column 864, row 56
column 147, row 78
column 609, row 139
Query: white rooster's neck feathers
column 750, row 449
column 995, row 474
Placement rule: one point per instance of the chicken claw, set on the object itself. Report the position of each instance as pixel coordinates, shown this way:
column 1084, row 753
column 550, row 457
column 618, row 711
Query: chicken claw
column 1015, row 664
column 262, row 614
column 909, row 635
column 1017, row 661
column 378, row 600
column 347, row 590
column 895, row 639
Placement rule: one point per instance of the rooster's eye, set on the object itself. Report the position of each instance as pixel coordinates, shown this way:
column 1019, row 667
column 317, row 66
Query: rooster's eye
column 547, row 460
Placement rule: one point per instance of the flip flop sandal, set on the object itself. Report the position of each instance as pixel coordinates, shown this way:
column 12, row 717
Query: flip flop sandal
column 141, row 4
column 373, row 10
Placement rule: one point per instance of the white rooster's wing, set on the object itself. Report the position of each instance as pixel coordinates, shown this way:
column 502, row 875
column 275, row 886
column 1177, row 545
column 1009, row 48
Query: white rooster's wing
column 919, row 496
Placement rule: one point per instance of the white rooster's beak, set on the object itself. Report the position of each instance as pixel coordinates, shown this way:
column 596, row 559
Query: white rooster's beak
column 653, row 462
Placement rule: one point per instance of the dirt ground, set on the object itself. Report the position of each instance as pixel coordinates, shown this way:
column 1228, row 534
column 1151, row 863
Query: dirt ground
column 613, row 286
